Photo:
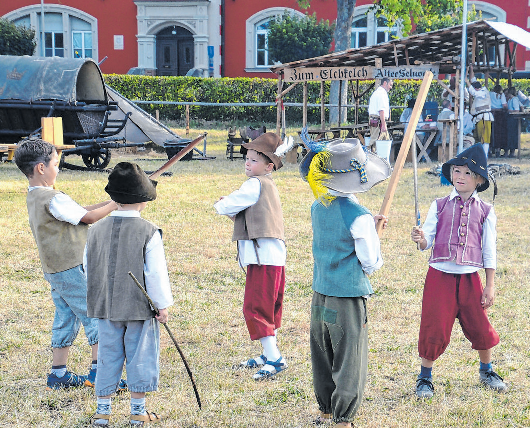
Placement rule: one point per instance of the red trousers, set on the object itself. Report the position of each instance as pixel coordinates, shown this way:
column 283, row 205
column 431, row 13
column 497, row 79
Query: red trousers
column 262, row 306
column 446, row 297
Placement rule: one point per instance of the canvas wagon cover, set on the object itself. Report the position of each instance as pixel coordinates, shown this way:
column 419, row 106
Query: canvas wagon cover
column 29, row 78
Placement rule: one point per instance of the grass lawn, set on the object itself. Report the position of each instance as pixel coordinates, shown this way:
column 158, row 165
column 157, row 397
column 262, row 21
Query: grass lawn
column 207, row 316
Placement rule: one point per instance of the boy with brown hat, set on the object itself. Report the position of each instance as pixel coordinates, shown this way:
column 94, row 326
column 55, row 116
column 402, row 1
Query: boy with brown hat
column 258, row 229
column 129, row 330
column 346, row 250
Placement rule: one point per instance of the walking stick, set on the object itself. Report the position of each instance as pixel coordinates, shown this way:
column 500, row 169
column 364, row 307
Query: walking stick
column 190, row 374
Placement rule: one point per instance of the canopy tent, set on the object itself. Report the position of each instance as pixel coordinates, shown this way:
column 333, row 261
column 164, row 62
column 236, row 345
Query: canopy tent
column 491, row 48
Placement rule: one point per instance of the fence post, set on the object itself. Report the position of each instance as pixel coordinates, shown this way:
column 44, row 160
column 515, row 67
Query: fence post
column 187, row 120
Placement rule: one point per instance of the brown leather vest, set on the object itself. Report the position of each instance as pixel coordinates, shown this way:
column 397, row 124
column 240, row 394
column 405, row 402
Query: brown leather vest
column 115, row 246
column 264, row 219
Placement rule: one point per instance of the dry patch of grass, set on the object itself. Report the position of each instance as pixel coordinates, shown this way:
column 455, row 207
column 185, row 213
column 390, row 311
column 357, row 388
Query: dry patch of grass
column 208, row 323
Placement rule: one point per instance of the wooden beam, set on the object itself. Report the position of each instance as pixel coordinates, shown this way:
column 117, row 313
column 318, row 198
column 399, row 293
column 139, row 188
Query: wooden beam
column 304, row 110
column 322, row 109
column 395, row 55
column 285, row 91
column 279, row 104
column 405, row 147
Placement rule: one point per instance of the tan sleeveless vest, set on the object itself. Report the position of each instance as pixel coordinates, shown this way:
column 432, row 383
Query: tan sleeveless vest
column 61, row 244
column 264, row 219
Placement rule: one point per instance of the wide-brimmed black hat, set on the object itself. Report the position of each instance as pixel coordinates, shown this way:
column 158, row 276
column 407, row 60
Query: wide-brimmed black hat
column 266, row 144
column 475, row 159
column 128, row 184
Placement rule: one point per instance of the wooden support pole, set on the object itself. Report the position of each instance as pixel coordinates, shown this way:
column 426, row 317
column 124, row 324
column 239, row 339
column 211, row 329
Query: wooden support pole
column 279, row 105
column 304, row 112
column 405, row 147
column 340, row 102
column 322, row 108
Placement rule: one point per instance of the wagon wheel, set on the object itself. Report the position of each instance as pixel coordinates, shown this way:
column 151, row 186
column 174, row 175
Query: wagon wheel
column 99, row 158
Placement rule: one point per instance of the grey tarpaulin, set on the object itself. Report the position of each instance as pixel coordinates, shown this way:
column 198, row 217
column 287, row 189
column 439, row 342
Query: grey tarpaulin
column 29, row 78
column 141, row 127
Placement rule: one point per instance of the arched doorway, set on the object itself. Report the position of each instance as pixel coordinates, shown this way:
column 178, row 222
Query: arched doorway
column 174, row 51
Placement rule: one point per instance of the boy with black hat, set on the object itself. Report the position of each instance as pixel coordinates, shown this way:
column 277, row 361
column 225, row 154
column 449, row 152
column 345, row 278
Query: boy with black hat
column 460, row 228
column 346, row 250
column 258, row 229
column 128, row 329
column 59, row 226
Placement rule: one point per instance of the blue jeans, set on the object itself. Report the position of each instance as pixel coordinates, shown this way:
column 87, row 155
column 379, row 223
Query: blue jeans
column 135, row 342
column 69, row 296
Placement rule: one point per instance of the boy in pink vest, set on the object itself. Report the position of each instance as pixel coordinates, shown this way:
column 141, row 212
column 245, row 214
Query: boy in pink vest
column 460, row 229
column 258, row 229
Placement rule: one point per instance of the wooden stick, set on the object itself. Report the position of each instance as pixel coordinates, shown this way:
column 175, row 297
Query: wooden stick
column 190, row 374
column 405, row 146
column 177, row 157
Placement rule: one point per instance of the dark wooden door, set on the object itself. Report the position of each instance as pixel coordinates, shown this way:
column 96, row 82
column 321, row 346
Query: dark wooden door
column 167, row 60
column 185, row 56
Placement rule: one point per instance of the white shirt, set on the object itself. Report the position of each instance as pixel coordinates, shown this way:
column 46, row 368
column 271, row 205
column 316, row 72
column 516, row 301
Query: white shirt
column 155, row 268
column 271, row 251
column 489, row 239
column 379, row 101
column 63, row 207
column 367, row 244
column 480, row 93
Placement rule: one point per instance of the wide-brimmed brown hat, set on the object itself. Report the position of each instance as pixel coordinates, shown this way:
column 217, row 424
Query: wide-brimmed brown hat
column 348, row 167
column 128, row 184
column 266, row 144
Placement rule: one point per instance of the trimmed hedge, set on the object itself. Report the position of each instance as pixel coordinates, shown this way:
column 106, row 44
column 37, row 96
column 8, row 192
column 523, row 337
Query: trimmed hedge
column 239, row 90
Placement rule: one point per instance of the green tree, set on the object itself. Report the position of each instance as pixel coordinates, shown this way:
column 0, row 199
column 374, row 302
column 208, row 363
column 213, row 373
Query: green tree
column 428, row 15
column 292, row 38
column 16, row 40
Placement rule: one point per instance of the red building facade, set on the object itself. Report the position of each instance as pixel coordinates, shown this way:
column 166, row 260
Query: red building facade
column 214, row 37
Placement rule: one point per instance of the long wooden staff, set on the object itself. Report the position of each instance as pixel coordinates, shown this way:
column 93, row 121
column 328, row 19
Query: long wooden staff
column 190, row 374
column 177, row 157
column 405, row 146
column 416, row 196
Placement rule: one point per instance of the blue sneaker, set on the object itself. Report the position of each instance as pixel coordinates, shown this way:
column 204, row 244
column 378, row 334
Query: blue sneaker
column 69, row 380
column 91, row 381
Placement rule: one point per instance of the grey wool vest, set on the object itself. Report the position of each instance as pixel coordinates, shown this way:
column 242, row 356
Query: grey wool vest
column 61, row 244
column 264, row 219
column 115, row 246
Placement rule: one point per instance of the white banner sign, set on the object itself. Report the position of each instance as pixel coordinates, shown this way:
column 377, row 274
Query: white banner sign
column 357, row 73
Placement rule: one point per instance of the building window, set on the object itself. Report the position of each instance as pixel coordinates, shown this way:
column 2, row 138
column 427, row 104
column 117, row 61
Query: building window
column 257, row 58
column 262, row 47
column 369, row 30
column 53, row 44
column 68, row 32
column 359, row 34
column 82, row 44
column 383, row 32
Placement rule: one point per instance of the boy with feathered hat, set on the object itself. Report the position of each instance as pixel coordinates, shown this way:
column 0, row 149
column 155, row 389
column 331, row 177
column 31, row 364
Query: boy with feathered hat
column 128, row 329
column 460, row 229
column 258, row 229
column 346, row 250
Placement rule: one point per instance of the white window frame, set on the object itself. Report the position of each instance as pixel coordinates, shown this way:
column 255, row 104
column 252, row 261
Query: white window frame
column 66, row 11
column 53, row 48
column 83, row 47
column 358, row 30
column 251, row 52
column 371, row 25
